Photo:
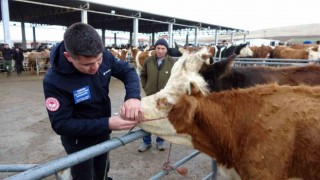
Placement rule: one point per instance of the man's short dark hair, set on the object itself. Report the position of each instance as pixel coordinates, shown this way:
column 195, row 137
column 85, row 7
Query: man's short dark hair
column 82, row 39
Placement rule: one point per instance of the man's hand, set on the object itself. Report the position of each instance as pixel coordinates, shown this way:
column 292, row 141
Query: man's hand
column 117, row 123
column 131, row 110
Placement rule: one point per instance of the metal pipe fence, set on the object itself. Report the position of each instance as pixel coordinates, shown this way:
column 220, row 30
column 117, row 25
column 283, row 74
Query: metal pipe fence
column 36, row 171
column 57, row 165
column 270, row 61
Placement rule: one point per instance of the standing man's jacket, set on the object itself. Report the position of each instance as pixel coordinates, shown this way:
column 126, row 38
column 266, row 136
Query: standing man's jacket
column 7, row 54
column 150, row 72
column 78, row 104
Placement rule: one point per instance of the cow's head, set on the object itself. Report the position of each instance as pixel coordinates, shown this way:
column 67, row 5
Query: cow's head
column 243, row 50
column 156, row 107
column 313, row 55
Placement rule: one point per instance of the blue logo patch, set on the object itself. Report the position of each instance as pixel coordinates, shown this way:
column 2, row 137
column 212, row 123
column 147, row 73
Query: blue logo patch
column 81, row 94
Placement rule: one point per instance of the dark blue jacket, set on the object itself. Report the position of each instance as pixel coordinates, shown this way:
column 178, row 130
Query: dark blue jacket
column 7, row 53
column 83, row 99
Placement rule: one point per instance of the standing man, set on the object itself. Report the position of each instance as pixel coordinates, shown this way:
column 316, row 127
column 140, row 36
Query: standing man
column 18, row 58
column 154, row 76
column 7, row 55
column 76, row 90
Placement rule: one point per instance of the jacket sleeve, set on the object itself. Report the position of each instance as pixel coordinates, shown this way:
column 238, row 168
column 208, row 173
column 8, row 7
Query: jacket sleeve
column 61, row 118
column 127, row 74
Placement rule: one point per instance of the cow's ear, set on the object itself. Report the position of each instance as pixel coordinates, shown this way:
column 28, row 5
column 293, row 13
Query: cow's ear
column 223, row 68
column 194, row 89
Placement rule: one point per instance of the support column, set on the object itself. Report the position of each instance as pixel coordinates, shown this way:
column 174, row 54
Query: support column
column 34, row 37
column 187, row 39
column 24, row 39
column 216, row 37
column 232, row 37
column 130, row 39
column 103, row 36
column 115, row 40
column 6, row 21
column 153, row 40
column 84, row 16
column 84, row 12
column 170, row 40
column 135, row 31
column 196, row 36
column 245, row 37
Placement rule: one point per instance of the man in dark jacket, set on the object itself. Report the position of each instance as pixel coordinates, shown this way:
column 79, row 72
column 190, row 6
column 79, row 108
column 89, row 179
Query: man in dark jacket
column 7, row 55
column 18, row 58
column 154, row 75
column 76, row 90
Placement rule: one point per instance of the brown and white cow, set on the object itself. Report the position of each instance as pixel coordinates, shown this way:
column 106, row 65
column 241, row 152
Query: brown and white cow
column 264, row 132
column 140, row 57
column 261, row 51
column 42, row 57
column 260, row 132
column 283, row 52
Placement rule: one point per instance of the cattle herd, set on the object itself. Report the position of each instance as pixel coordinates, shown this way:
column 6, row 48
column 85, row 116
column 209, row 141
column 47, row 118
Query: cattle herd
column 257, row 123
column 137, row 56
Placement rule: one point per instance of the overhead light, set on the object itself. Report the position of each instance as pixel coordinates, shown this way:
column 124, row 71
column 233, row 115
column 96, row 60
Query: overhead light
column 113, row 11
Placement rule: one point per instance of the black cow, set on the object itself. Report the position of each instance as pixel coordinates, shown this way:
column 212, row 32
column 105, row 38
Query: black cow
column 174, row 52
column 223, row 76
column 241, row 50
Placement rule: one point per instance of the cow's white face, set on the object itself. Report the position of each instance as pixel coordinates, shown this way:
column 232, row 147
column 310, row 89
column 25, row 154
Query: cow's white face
column 157, row 106
column 313, row 55
column 245, row 52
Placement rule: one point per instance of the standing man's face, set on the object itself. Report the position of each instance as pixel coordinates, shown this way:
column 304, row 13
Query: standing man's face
column 6, row 46
column 87, row 65
column 161, row 51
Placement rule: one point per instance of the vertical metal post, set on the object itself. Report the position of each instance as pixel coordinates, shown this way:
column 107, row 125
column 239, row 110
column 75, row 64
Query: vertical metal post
column 196, row 36
column 135, row 31
column 187, row 39
column 232, row 37
column 214, row 169
column 153, row 34
column 23, row 32
column 115, row 39
column 6, row 21
column 34, row 37
column 84, row 16
column 130, row 39
column 170, row 40
column 103, row 36
column 216, row 37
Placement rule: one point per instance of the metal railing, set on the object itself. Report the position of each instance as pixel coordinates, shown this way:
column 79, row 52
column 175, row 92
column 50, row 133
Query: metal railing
column 42, row 65
column 35, row 171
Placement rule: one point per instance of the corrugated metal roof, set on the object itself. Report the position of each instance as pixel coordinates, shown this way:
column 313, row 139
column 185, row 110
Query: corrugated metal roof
column 65, row 13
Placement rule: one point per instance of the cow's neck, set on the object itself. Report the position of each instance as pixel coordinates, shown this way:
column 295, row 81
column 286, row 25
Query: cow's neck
column 218, row 126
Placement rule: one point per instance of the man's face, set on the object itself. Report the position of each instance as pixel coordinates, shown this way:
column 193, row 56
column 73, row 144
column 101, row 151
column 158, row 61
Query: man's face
column 161, row 51
column 6, row 46
column 87, row 65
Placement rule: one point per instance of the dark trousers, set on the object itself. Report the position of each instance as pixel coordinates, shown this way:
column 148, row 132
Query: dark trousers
column 19, row 66
column 96, row 168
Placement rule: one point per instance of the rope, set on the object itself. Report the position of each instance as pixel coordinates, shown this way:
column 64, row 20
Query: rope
column 166, row 166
